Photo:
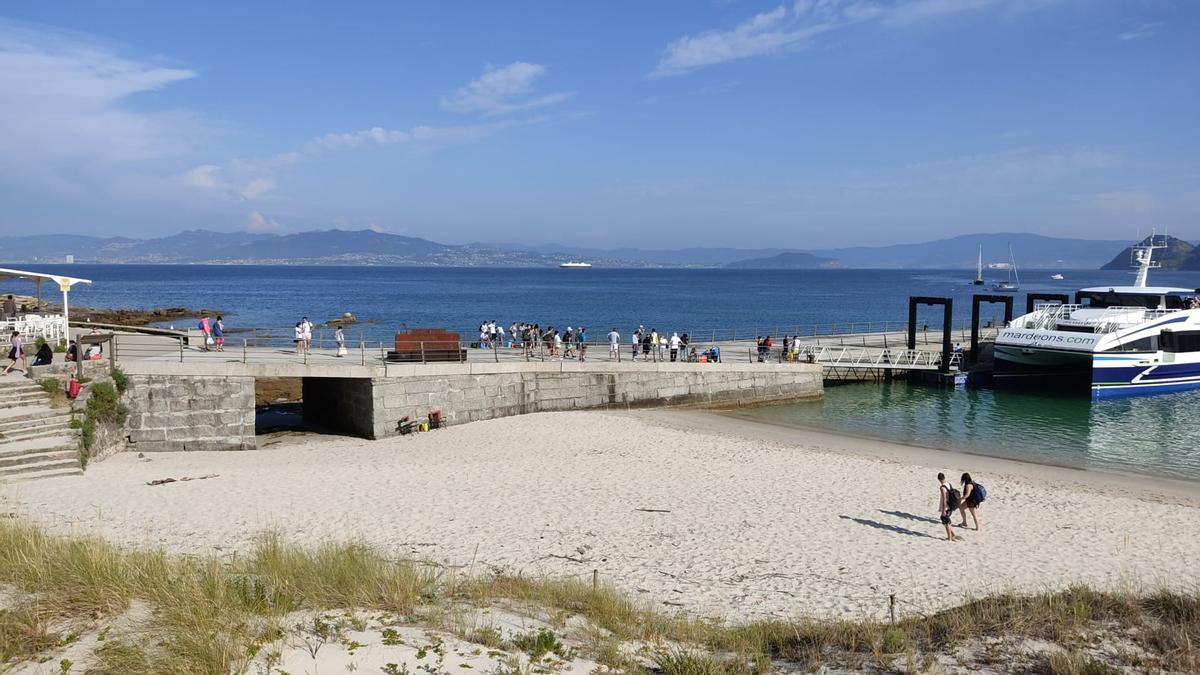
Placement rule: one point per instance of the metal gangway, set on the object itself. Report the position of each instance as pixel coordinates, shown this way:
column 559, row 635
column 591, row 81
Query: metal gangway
column 876, row 360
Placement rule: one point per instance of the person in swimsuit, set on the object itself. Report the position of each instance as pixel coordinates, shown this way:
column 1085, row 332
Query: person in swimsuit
column 970, row 501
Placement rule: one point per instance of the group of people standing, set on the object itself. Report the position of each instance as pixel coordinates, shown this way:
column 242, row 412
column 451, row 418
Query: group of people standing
column 951, row 499
column 651, row 345
column 303, row 336
column 571, row 343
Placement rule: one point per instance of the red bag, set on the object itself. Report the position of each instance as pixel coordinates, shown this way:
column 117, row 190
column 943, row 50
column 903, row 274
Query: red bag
column 73, row 388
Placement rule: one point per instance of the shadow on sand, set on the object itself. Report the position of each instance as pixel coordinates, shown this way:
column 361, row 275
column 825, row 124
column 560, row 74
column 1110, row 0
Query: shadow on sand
column 910, row 516
column 884, row 526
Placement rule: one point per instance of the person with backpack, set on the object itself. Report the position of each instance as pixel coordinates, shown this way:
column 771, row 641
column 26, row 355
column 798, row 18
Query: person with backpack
column 949, row 500
column 973, row 495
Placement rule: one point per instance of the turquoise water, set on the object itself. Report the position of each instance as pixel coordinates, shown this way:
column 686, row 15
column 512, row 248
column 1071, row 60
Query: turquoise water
column 1156, row 435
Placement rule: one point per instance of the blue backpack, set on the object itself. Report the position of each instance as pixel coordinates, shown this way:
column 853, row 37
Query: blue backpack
column 980, row 492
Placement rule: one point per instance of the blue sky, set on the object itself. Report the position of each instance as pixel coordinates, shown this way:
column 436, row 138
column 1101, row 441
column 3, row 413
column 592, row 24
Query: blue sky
column 667, row 124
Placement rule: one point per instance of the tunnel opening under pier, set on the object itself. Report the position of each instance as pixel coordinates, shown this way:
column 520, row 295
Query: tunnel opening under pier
column 311, row 405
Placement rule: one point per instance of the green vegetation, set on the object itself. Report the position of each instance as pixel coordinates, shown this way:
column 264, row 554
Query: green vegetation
column 56, row 390
column 213, row 616
column 104, row 407
column 120, row 379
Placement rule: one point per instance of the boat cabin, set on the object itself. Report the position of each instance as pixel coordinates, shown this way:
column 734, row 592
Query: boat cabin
column 1160, row 298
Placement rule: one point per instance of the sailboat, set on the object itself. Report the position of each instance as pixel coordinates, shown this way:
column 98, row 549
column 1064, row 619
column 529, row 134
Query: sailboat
column 979, row 268
column 1014, row 280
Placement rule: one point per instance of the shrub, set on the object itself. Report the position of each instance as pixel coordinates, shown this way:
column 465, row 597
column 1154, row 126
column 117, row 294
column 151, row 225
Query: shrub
column 103, row 407
column 120, row 379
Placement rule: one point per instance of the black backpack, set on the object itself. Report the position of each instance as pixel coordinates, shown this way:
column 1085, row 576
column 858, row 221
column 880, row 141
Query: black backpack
column 953, row 498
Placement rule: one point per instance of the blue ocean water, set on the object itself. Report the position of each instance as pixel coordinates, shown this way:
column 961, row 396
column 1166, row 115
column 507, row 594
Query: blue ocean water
column 697, row 301
column 1149, row 435
column 1146, row 435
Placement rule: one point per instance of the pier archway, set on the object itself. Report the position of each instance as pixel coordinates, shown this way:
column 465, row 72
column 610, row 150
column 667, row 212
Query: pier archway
column 976, row 300
column 947, row 324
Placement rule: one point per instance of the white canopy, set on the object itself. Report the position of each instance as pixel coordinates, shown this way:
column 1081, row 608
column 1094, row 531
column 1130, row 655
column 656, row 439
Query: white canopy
column 64, row 284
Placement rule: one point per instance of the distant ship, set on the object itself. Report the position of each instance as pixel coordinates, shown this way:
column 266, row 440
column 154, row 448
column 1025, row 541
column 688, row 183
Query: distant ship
column 1057, row 277
column 575, row 265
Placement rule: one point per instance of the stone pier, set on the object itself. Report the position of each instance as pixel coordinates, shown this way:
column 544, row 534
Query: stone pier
column 174, row 407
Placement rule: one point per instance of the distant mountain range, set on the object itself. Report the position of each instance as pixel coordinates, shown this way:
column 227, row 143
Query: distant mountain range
column 367, row 247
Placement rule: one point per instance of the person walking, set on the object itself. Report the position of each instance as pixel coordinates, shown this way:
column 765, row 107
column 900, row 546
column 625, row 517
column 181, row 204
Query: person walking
column 636, row 342
column 219, row 333
column 948, row 502
column 306, row 329
column 675, row 343
column 973, row 495
column 614, row 344
column 10, row 307
column 581, row 340
column 299, row 337
column 16, row 352
column 340, row 338
column 206, row 328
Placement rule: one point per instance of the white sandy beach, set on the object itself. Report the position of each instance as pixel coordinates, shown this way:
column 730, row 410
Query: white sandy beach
column 742, row 520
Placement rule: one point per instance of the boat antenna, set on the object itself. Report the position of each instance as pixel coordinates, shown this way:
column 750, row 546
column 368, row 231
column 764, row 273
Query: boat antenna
column 1143, row 258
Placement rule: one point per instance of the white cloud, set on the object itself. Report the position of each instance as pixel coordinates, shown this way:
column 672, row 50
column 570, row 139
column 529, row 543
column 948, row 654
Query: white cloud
column 262, row 224
column 62, row 105
column 250, row 179
column 205, row 176
column 1146, row 30
column 257, row 187
column 796, row 26
column 502, row 90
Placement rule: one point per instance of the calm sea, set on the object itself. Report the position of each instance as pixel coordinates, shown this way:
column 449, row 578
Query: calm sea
column 1155, row 434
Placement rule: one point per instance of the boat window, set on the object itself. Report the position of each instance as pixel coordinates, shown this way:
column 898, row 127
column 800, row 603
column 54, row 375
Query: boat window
column 1101, row 300
column 1177, row 302
column 1146, row 344
column 1181, row 341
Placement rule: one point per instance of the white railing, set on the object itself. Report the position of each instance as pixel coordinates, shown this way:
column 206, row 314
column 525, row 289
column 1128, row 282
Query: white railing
column 1116, row 318
column 50, row 327
column 863, row 357
column 1047, row 316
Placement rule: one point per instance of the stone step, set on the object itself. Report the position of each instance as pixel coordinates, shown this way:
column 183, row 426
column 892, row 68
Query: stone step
column 41, row 431
column 50, row 470
column 11, row 418
column 6, row 386
column 60, row 455
column 12, row 400
column 35, row 469
column 39, row 443
column 44, row 416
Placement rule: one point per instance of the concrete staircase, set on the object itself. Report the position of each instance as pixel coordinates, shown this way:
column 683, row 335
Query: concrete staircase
column 36, row 440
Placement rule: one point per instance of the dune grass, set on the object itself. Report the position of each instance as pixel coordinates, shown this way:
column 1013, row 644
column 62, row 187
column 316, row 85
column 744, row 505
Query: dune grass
column 214, row 616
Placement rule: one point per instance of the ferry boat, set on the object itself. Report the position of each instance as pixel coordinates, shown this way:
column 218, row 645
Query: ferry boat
column 575, row 265
column 1117, row 341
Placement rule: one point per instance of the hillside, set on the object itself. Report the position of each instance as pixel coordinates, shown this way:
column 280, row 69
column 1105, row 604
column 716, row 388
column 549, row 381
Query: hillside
column 1177, row 255
column 785, row 261
column 1030, row 250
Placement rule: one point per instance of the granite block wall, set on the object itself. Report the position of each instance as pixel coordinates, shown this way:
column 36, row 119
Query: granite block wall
column 193, row 412
column 468, row 396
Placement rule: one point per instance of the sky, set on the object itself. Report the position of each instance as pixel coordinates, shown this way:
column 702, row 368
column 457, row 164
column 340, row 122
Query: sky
column 807, row 124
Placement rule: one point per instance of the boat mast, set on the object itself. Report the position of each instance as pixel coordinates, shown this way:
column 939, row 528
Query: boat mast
column 1143, row 260
column 979, row 267
column 1012, row 266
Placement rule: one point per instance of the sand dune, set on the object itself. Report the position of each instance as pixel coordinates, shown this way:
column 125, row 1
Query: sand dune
column 691, row 510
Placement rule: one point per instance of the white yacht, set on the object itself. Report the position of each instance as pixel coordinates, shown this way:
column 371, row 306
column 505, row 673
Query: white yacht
column 1009, row 286
column 575, row 265
column 1057, row 277
column 1119, row 340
